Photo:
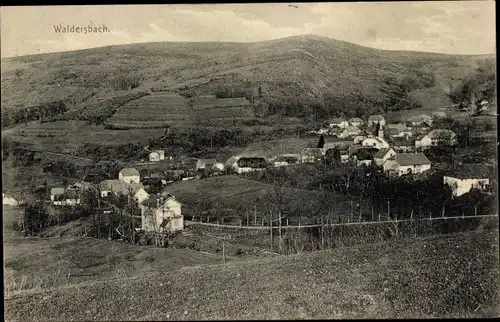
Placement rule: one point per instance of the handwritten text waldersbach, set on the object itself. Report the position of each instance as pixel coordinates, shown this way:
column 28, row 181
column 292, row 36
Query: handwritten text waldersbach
column 90, row 29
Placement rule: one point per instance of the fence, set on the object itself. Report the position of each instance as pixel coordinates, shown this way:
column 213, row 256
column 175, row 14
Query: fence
column 290, row 239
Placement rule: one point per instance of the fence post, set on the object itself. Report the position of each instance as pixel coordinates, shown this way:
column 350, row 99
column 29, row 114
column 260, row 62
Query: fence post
column 240, row 222
column 223, row 250
column 411, row 215
column 208, row 219
column 379, row 217
column 372, row 213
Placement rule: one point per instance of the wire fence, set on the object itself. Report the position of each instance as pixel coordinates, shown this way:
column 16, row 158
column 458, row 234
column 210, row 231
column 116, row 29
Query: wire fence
column 291, row 239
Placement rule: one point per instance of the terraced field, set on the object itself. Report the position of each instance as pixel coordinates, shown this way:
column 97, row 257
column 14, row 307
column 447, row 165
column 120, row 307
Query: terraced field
column 69, row 136
column 161, row 108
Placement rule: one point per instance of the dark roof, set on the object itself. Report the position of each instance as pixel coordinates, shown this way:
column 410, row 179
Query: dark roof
column 252, row 162
column 411, row 159
column 393, row 131
column 471, row 171
column 154, row 200
column 364, row 153
column 381, row 153
column 312, row 152
column 403, row 141
column 129, row 172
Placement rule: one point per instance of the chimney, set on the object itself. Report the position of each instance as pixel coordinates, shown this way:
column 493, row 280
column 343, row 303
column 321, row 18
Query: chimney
column 157, row 202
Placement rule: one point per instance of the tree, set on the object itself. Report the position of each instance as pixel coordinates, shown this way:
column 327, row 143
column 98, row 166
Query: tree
column 36, row 217
column 321, row 142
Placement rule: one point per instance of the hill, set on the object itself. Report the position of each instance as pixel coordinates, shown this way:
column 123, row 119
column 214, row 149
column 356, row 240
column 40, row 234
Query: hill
column 447, row 276
column 304, row 69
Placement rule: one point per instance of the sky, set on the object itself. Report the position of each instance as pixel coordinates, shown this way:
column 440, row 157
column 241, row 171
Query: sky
column 452, row 27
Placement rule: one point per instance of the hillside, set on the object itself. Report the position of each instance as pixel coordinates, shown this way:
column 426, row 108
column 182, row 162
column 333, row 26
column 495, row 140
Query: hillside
column 448, row 276
column 302, row 68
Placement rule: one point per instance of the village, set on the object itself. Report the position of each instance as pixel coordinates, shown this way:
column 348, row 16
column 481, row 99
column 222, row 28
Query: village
column 396, row 149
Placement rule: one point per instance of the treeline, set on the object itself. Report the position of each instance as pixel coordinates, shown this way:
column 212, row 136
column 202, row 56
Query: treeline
column 41, row 112
column 480, row 85
column 398, row 195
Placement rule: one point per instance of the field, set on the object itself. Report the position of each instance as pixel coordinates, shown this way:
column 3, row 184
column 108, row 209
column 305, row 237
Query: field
column 69, row 136
column 448, row 276
column 161, row 108
column 43, row 263
column 235, row 196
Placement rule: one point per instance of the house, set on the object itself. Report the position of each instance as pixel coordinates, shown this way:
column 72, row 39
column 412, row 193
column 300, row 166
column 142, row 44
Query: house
column 358, row 139
column 484, row 105
column 465, row 177
column 356, row 121
column 436, row 137
column 56, row 193
column 374, row 119
column 120, row 188
column 311, row 155
column 9, row 201
column 161, row 214
column 383, row 155
column 129, row 175
column 157, row 155
column 203, row 164
column 420, row 120
column 349, row 131
column 375, row 141
column 400, row 144
column 339, row 122
column 335, row 131
column 286, row 160
column 64, row 197
column 398, row 130
column 406, row 163
column 243, row 164
column 363, row 155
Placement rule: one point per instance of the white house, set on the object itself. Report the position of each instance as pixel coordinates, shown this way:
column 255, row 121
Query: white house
column 406, row 163
column 374, row 119
column 161, row 214
column 157, row 155
column 311, row 155
column 243, row 164
column 202, row 164
column 465, row 177
column 129, row 175
column 349, row 131
column 383, row 155
column 420, row 120
column 9, row 201
column 64, row 197
column 120, row 188
column 461, row 186
column 436, row 137
column 375, row 141
column 339, row 122
column 286, row 160
column 356, row 121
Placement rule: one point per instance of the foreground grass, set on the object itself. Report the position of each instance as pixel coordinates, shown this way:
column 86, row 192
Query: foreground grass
column 448, row 276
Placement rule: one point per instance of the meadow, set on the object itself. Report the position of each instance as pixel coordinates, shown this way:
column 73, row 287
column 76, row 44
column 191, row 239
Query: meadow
column 433, row 277
column 233, row 197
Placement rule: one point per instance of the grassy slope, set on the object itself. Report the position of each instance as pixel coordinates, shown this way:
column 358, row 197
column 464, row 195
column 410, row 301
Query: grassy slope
column 304, row 66
column 238, row 193
column 447, row 276
column 36, row 264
